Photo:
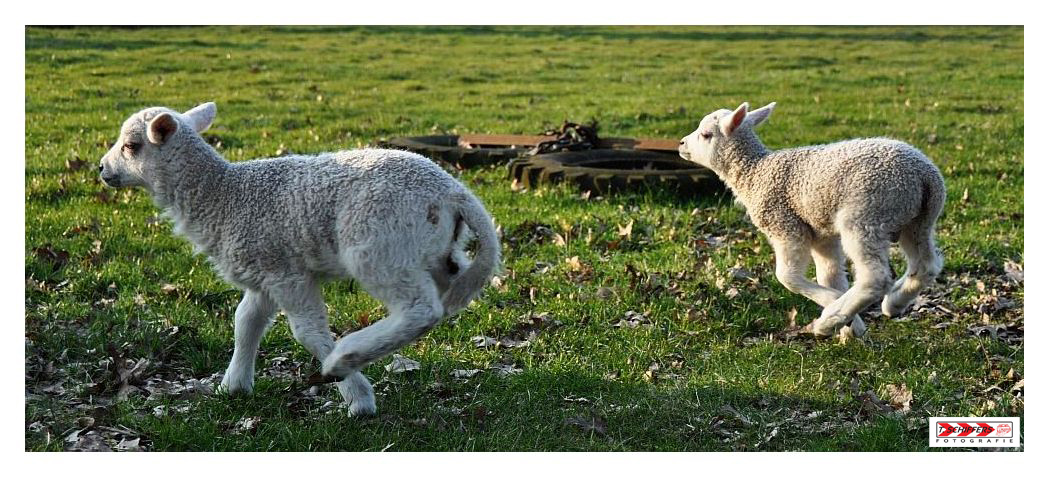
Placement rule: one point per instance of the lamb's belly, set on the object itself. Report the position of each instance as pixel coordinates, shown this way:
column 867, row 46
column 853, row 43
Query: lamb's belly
column 327, row 267
column 823, row 229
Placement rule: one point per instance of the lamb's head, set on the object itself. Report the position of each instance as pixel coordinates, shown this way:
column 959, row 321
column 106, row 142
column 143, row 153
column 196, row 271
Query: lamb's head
column 717, row 129
column 149, row 138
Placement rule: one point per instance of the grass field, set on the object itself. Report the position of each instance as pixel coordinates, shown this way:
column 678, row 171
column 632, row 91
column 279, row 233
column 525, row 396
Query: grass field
column 639, row 341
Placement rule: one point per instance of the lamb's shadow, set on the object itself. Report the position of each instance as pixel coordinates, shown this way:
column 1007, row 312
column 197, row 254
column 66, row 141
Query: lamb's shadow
column 572, row 410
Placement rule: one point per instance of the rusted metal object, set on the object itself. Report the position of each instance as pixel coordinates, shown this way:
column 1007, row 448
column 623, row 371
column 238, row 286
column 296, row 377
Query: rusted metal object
column 572, row 152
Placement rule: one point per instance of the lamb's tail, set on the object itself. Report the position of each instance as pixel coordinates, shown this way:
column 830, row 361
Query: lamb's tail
column 922, row 229
column 467, row 284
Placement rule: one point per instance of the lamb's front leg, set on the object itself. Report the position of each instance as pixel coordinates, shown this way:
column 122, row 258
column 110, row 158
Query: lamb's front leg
column 308, row 319
column 253, row 317
column 792, row 261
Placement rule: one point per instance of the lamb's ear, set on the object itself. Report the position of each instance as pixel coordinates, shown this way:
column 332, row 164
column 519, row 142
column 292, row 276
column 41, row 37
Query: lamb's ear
column 729, row 123
column 759, row 116
column 161, row 128
column 201, row 116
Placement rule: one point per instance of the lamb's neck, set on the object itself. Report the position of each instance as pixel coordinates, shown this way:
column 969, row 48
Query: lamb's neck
column 740, row 158
column 191, row 191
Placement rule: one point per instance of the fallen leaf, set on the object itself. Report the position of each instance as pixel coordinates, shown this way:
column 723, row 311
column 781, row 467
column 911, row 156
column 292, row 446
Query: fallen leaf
column 482, row 341
column 626, row 230
column 129, row 445
column 729, row 411
column 400, row 364
column 1014, row 271
column 246, row 424
column 90, row 441
column 633, row 319
column 591, row 423
column 465, row 373
column 739, row 274
column 55, row 258
column 651, row 374
column 899, row 397
column 505, row 369
column 1018, row 387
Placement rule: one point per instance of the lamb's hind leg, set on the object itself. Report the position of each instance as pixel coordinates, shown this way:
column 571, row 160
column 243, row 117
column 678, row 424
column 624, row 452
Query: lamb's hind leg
column 301, row 300
column 413, row 309
column 869, row 253
column 924, row 264
column 830, row 264
column 253, row 317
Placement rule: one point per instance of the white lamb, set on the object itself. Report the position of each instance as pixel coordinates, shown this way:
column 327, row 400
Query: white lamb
column 277, row 228
column 846, row 199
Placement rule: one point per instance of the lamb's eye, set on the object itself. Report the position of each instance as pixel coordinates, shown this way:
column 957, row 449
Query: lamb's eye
column 707, row 135
column 132, row 147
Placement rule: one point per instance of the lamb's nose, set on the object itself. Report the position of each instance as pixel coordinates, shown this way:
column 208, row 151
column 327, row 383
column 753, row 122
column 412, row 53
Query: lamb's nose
column 682, row 143
column 100, row 168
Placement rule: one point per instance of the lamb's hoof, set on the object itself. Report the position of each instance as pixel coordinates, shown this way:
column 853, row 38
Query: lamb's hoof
column 848, row 333
column 339, row 364
column 822, row 327
column 890, row 309
column 362, row 408
column 235, row 386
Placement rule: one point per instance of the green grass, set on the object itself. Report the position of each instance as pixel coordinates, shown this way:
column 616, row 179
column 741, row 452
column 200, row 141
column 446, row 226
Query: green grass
column 954, row 92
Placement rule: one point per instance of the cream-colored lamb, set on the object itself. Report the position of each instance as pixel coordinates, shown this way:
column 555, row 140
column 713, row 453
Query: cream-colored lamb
column 277, row 228
column 824, row 203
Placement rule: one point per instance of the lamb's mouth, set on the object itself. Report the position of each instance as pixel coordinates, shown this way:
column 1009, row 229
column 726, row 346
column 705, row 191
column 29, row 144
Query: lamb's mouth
column 111, row 181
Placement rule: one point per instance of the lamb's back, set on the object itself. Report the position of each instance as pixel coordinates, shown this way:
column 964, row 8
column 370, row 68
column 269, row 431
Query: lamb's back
column 879, row 180
column 288, row 212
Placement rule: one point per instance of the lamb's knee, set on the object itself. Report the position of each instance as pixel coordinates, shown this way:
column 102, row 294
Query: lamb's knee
column 429, row 317
column 877, row 284
column 790, row 280
column 317, row 340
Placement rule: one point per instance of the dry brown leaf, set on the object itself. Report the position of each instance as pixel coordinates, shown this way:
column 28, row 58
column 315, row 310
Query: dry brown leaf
column 899, row 397
column 246, row 424
column 1014, row 271
column 90, row 441
column 626, row 230
column 505, row 369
